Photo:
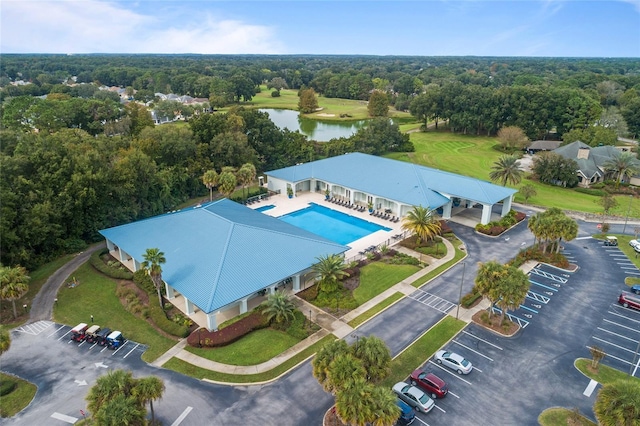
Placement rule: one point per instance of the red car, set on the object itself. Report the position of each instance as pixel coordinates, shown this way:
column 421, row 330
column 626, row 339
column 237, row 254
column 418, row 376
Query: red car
column 429, row 383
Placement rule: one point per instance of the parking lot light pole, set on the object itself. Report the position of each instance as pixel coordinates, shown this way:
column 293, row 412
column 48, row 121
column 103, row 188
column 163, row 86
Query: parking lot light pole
column 464, row 266
column 626, row 219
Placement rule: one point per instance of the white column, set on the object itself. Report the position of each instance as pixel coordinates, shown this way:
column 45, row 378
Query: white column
column 272, row 289
column 212, row 322
column 506, row 205
column 296, row 282
column 120, row 258
column 446, row 210
column 243, row 305
column 188, row 306
column 109, row 245
column 169, row 290
column 486, row 214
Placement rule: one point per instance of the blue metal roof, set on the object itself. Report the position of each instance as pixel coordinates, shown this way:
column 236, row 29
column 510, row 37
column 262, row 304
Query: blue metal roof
column 408, row 183
column 223, row 251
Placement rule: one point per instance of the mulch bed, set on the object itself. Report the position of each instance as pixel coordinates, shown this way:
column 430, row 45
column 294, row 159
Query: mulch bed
column 495, row 324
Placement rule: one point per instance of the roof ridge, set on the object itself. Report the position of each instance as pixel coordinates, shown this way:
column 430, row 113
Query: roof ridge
column 223, row 256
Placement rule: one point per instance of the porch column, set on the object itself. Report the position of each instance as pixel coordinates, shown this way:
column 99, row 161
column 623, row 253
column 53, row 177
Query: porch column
column 446, row 210
column 212, row 322
column 272, row 289
column 506, row 205
column 188, row 306
column 136, row 265
column 243, row 305
column 109, row 245
column 120, row 255
column 486, row 214
column 296, row 282
column 169, row 290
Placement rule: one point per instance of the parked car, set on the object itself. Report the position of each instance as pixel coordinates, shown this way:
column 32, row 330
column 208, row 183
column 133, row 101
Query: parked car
column 101, row 337
column 635, row 289
column 78, row 332
column 92, row 334
column 611, row 241
column 430, row 383
column 629, row 300
column 635, row 244
column 115, row 340
column 407, row 414
column 454, row 361
column 414, row 397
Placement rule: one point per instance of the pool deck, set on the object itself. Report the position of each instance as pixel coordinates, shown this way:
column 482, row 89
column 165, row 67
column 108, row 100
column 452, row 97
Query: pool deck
column 284, row 205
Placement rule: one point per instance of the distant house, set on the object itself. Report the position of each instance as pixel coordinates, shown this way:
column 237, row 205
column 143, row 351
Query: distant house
column 537, row 146
column 591, row 161
column 158, row 119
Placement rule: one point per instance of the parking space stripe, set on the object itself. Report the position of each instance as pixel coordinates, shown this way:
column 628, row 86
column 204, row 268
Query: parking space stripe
column 117, row 350
column 62, row 337
column 182, row 416
column 482, row 340
column 64, row 418
column 439, row 408
column 417, row 418
column 542, row 285
column 548, row 275
column 615, row 334
column 453, row 394
column 614, row 345
column 472, row 350
column 615, row 357
column 626, row 311
column 623, row 316
column 590, row 388
column 449, row 372
column 56, row 330
column 134, row 348
column 477, row 369
column 528, row 309
column 622, row 326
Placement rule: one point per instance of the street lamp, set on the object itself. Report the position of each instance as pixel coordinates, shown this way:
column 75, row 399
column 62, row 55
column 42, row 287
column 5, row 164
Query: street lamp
column 464, row 266
column 626, row 219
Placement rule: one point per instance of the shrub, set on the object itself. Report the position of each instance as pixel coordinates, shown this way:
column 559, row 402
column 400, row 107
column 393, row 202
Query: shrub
column 275, row 94
column 7, row 386
column 309, row 294
column 590, row 191
column 143, row 281
column 297, row 327
column 110, row 271
column 469, row 299
column 160, row 319
column 229, row 334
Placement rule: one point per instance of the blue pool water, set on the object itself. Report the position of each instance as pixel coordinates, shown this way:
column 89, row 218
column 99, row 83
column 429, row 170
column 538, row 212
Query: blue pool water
column 264, row 208
column 330, row 224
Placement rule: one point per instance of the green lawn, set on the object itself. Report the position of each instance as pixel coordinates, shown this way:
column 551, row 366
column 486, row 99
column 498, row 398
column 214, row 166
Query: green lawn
column 96, row 296
column 17, row 400
column 376, row 309
column 377, row 277
column 605, row 373
column 422, row 349
column 182, row 367
column 459, row 255
column 243, row 352
column 560, row 417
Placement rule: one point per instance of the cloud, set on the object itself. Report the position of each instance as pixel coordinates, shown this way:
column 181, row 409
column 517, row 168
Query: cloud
column 92, row 26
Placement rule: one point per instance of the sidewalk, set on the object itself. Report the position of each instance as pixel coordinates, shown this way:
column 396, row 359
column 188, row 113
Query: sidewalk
column 330, row 324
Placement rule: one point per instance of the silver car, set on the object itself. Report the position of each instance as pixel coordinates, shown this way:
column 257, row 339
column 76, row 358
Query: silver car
column 454, row 361
column 414, row 397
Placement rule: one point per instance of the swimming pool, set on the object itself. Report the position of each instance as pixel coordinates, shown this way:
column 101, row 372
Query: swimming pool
column 332, row 225
column 265, row 208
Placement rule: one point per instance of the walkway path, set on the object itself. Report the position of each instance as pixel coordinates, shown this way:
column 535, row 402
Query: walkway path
column 42, row 306
column 330, row 324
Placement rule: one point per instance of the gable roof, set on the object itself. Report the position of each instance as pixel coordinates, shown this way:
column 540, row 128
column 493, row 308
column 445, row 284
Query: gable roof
column 544, row 145
column 594, row 164
column 222, row 251
column 405, row 182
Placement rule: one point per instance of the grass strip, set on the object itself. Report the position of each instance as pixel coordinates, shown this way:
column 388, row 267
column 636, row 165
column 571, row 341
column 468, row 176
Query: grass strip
column 378, row 277
column 422, row 349
column 191, row 370
column 19, row 398
column 459, row 255
column 560, row 417
column 96, row 295
column 376, row 309
column 243, row 351
column 605, row 373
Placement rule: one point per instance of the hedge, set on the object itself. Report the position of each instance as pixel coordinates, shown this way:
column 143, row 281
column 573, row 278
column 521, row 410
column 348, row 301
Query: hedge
column 590, row 191
column 159, row 317
column 116, row 273
column 230, row 333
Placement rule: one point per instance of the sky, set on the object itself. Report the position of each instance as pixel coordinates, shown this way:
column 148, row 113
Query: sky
column 549, row 28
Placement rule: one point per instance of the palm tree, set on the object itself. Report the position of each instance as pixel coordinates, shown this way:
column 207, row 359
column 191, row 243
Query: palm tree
column 489, row 273
column 5, row 340
column 14, row 283
column 148, row 389
column 618, row 403
column 355, row 404
column 279, row 307
column 386, row 412
column 342, row 372
column 375, row 356
column 330, row 270
column 625, row 164
column 121, row 410
column 506, row 169
column 422, row 222
column 210, row 178
column 227, row 183
column 512, row 289
column 246, row 175
column 116, row 382
column 323, row 359
column 153, row 258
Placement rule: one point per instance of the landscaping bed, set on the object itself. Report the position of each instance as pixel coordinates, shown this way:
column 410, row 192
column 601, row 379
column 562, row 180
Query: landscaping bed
column 496, row 323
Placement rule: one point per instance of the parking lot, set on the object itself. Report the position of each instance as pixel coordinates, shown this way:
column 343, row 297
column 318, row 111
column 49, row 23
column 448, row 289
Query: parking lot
column 62, row 333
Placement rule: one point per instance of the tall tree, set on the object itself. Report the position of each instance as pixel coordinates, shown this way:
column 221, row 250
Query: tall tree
column 210, row 178
column 107, row 387
column 323, row 359
column 378, row 105
column 422, row 222
column 528, row 191
column 506, row 169
column 512, row 137
column 375, row 357
column 618, row 403
column 308, row 102
column 227, row 183
column 153, row 261
column 624, row 164
column 148, row 389
column 512, row 289
column 121, row 410
column 489, row 273
column 14, row 283
column 330, row 269
column 246, row 175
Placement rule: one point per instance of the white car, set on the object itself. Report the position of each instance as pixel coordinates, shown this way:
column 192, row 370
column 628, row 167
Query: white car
column 414, row 397
column 454, row 361
column 635, row 244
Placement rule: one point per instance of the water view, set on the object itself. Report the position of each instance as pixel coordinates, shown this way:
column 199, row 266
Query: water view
column 313, row 129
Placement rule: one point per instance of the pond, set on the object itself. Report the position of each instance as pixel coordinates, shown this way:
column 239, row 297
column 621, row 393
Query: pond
column 313, row 129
